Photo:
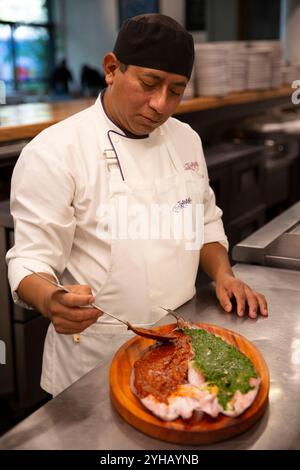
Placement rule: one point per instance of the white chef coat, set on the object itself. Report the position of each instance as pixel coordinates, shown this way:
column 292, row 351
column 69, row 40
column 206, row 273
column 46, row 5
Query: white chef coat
column 59, row 182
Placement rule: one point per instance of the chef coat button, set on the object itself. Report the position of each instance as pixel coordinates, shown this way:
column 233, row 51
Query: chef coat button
column 115, row 139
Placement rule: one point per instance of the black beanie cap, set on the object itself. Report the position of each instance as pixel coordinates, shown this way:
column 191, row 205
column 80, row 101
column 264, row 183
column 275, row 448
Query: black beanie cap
column 156, row 41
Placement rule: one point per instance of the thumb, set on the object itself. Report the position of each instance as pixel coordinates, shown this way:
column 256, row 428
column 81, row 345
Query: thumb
column 224, row 300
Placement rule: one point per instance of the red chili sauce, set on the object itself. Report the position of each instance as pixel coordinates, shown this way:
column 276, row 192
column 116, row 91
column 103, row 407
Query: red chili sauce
column 162, row 368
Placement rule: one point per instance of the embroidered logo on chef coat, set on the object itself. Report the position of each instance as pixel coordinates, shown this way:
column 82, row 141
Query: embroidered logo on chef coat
column 182, row 204
column 192, row 166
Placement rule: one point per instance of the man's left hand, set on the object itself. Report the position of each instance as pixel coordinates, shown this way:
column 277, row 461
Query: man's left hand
column 229, row 288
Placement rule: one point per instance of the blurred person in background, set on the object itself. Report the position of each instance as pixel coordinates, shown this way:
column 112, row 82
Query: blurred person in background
column 92, row 81
column 60, row 78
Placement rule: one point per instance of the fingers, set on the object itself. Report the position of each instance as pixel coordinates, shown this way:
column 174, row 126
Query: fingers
column 79, row 288
column 231, row 291
column 74, row 306
column 263, row 304
column 240, row 297
column 252, row 302
column 73, row 320
column 231, row 294
column 68, row 327
column 74, row 299
column 75, row 314
column 69, row 312
column 224, row 299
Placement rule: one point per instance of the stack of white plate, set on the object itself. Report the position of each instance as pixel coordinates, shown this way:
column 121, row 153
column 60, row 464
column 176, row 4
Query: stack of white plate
column 265, row 64
column 189, row 91
column 232, row 66
column 211, row 69
column 259, row 66
column 276, row 52
column 277, row 63
column 238, row 66
column 237, row 56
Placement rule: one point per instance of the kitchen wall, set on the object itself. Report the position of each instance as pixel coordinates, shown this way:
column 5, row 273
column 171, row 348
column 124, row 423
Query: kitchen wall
column 176, row 9
column 87, row 29
column 221, row 18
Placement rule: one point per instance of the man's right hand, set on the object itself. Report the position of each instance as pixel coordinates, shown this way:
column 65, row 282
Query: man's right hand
column 67, row 311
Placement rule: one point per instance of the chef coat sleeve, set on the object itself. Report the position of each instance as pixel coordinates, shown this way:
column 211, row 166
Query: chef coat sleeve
column 213, row 224
column 41, row 206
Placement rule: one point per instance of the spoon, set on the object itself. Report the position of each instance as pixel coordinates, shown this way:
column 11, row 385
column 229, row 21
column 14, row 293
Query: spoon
column 146, row 333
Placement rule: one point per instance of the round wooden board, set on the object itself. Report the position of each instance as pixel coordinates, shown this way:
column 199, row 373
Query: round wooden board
column 206, row 431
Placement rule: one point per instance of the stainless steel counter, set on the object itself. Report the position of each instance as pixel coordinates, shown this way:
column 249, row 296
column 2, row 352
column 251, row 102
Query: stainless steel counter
column 276, row 244
column 82, row 417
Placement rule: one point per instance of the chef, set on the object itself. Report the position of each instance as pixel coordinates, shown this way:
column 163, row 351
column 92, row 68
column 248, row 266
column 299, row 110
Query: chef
column 102, row 203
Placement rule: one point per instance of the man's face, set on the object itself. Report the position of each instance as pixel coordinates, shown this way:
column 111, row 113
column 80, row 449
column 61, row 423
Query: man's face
column 141, row 99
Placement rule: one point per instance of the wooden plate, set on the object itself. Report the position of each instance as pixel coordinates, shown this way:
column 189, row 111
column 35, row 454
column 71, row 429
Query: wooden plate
column 208, row 430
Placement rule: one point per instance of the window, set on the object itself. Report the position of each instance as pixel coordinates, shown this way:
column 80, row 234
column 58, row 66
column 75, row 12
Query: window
column 6, row 64
column 25, row 45
column 129, row 8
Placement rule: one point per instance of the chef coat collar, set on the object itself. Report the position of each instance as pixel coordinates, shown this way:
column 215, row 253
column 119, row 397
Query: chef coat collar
column 117, row 128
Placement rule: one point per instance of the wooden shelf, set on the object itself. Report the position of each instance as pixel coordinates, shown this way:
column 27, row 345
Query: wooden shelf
column 27, row 120
column 202, row 103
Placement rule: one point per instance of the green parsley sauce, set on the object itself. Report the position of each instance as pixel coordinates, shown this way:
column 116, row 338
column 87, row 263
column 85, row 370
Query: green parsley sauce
column 221, row 364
